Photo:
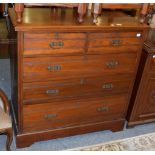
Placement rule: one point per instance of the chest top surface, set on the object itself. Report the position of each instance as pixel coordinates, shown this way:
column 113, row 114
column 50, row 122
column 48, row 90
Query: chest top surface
column 66, row 19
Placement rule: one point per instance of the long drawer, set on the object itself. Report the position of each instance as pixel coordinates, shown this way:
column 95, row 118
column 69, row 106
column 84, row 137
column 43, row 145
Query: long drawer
column 54, row 43
column 54, row 68
column 71, row 113
column 75, row 88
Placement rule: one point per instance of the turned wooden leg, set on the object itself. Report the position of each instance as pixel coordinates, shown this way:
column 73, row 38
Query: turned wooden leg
column 80, row 18
column 95, row 18
column 19, row 8
column 143, row 12
column 96, row 11
column 81, row 11
column 9, row 139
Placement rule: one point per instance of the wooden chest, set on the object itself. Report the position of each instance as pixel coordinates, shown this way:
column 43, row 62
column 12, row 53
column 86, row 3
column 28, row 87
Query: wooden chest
column 73, row 78
column 142, row 106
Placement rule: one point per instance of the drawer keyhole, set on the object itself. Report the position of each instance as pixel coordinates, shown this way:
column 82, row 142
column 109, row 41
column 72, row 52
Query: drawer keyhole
column 82, row 81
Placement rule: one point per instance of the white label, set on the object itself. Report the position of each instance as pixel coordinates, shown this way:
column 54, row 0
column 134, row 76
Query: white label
column 119, row 24
column 138, row 35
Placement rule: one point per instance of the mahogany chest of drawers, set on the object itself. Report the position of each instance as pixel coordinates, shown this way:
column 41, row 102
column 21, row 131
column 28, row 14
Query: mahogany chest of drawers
column 73, row 78
column 142, row 106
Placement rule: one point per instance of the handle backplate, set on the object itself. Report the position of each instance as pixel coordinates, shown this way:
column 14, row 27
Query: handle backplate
column 102, row 109
column 112, row 64
column 56, row 44
column 52, row 91
column 108, row 86
column 54, row 68
column 50, row 116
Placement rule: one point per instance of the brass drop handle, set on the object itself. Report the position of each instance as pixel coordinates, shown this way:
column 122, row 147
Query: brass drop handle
column 54, row 68
column 50, row 116
column 52, row 91
column 116, row 42
column 56, row 44
column 112, row 64
column 102, row 109
column 108, row 86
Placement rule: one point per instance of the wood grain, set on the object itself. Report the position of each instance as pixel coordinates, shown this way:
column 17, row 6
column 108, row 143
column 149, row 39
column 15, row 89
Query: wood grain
column 84, row 85
column 70, row 113
column 75, row 88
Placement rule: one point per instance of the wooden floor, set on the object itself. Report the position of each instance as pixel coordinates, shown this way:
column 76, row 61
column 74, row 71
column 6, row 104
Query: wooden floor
column 3, row 40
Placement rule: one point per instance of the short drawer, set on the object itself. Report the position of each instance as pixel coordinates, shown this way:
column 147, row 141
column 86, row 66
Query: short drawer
column 114, row 42
column 71, row 113
column 54, row 68
column 76, row 88
column 53, row 43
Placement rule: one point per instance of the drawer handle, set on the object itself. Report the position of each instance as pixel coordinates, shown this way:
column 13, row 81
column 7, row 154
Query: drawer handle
column 112, row 64
column 153, row 56
column 50, row 116
column 56, row 44
column 116, row 42
column 52, row 91
column 102, row 109
column 54, row 68
column 108, row 86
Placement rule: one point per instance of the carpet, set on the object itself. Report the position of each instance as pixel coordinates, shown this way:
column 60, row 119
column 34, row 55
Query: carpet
column 144, row 142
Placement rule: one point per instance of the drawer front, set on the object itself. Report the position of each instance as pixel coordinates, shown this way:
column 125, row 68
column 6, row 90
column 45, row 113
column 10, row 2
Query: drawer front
column 71, row 113
column 53, row 43
column 76, row 88
column 146, row 103
column 114, row 42
column 128, row 34
column 151, row 63
column 52, row 68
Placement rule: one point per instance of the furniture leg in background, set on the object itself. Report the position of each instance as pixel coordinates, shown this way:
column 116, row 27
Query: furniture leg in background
column 82, row 7
column 97, row 8
column 5, row 119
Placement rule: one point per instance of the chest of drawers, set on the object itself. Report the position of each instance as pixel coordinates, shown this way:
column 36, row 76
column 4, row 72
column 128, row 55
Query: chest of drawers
column 143, row 104
column 73, row 78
